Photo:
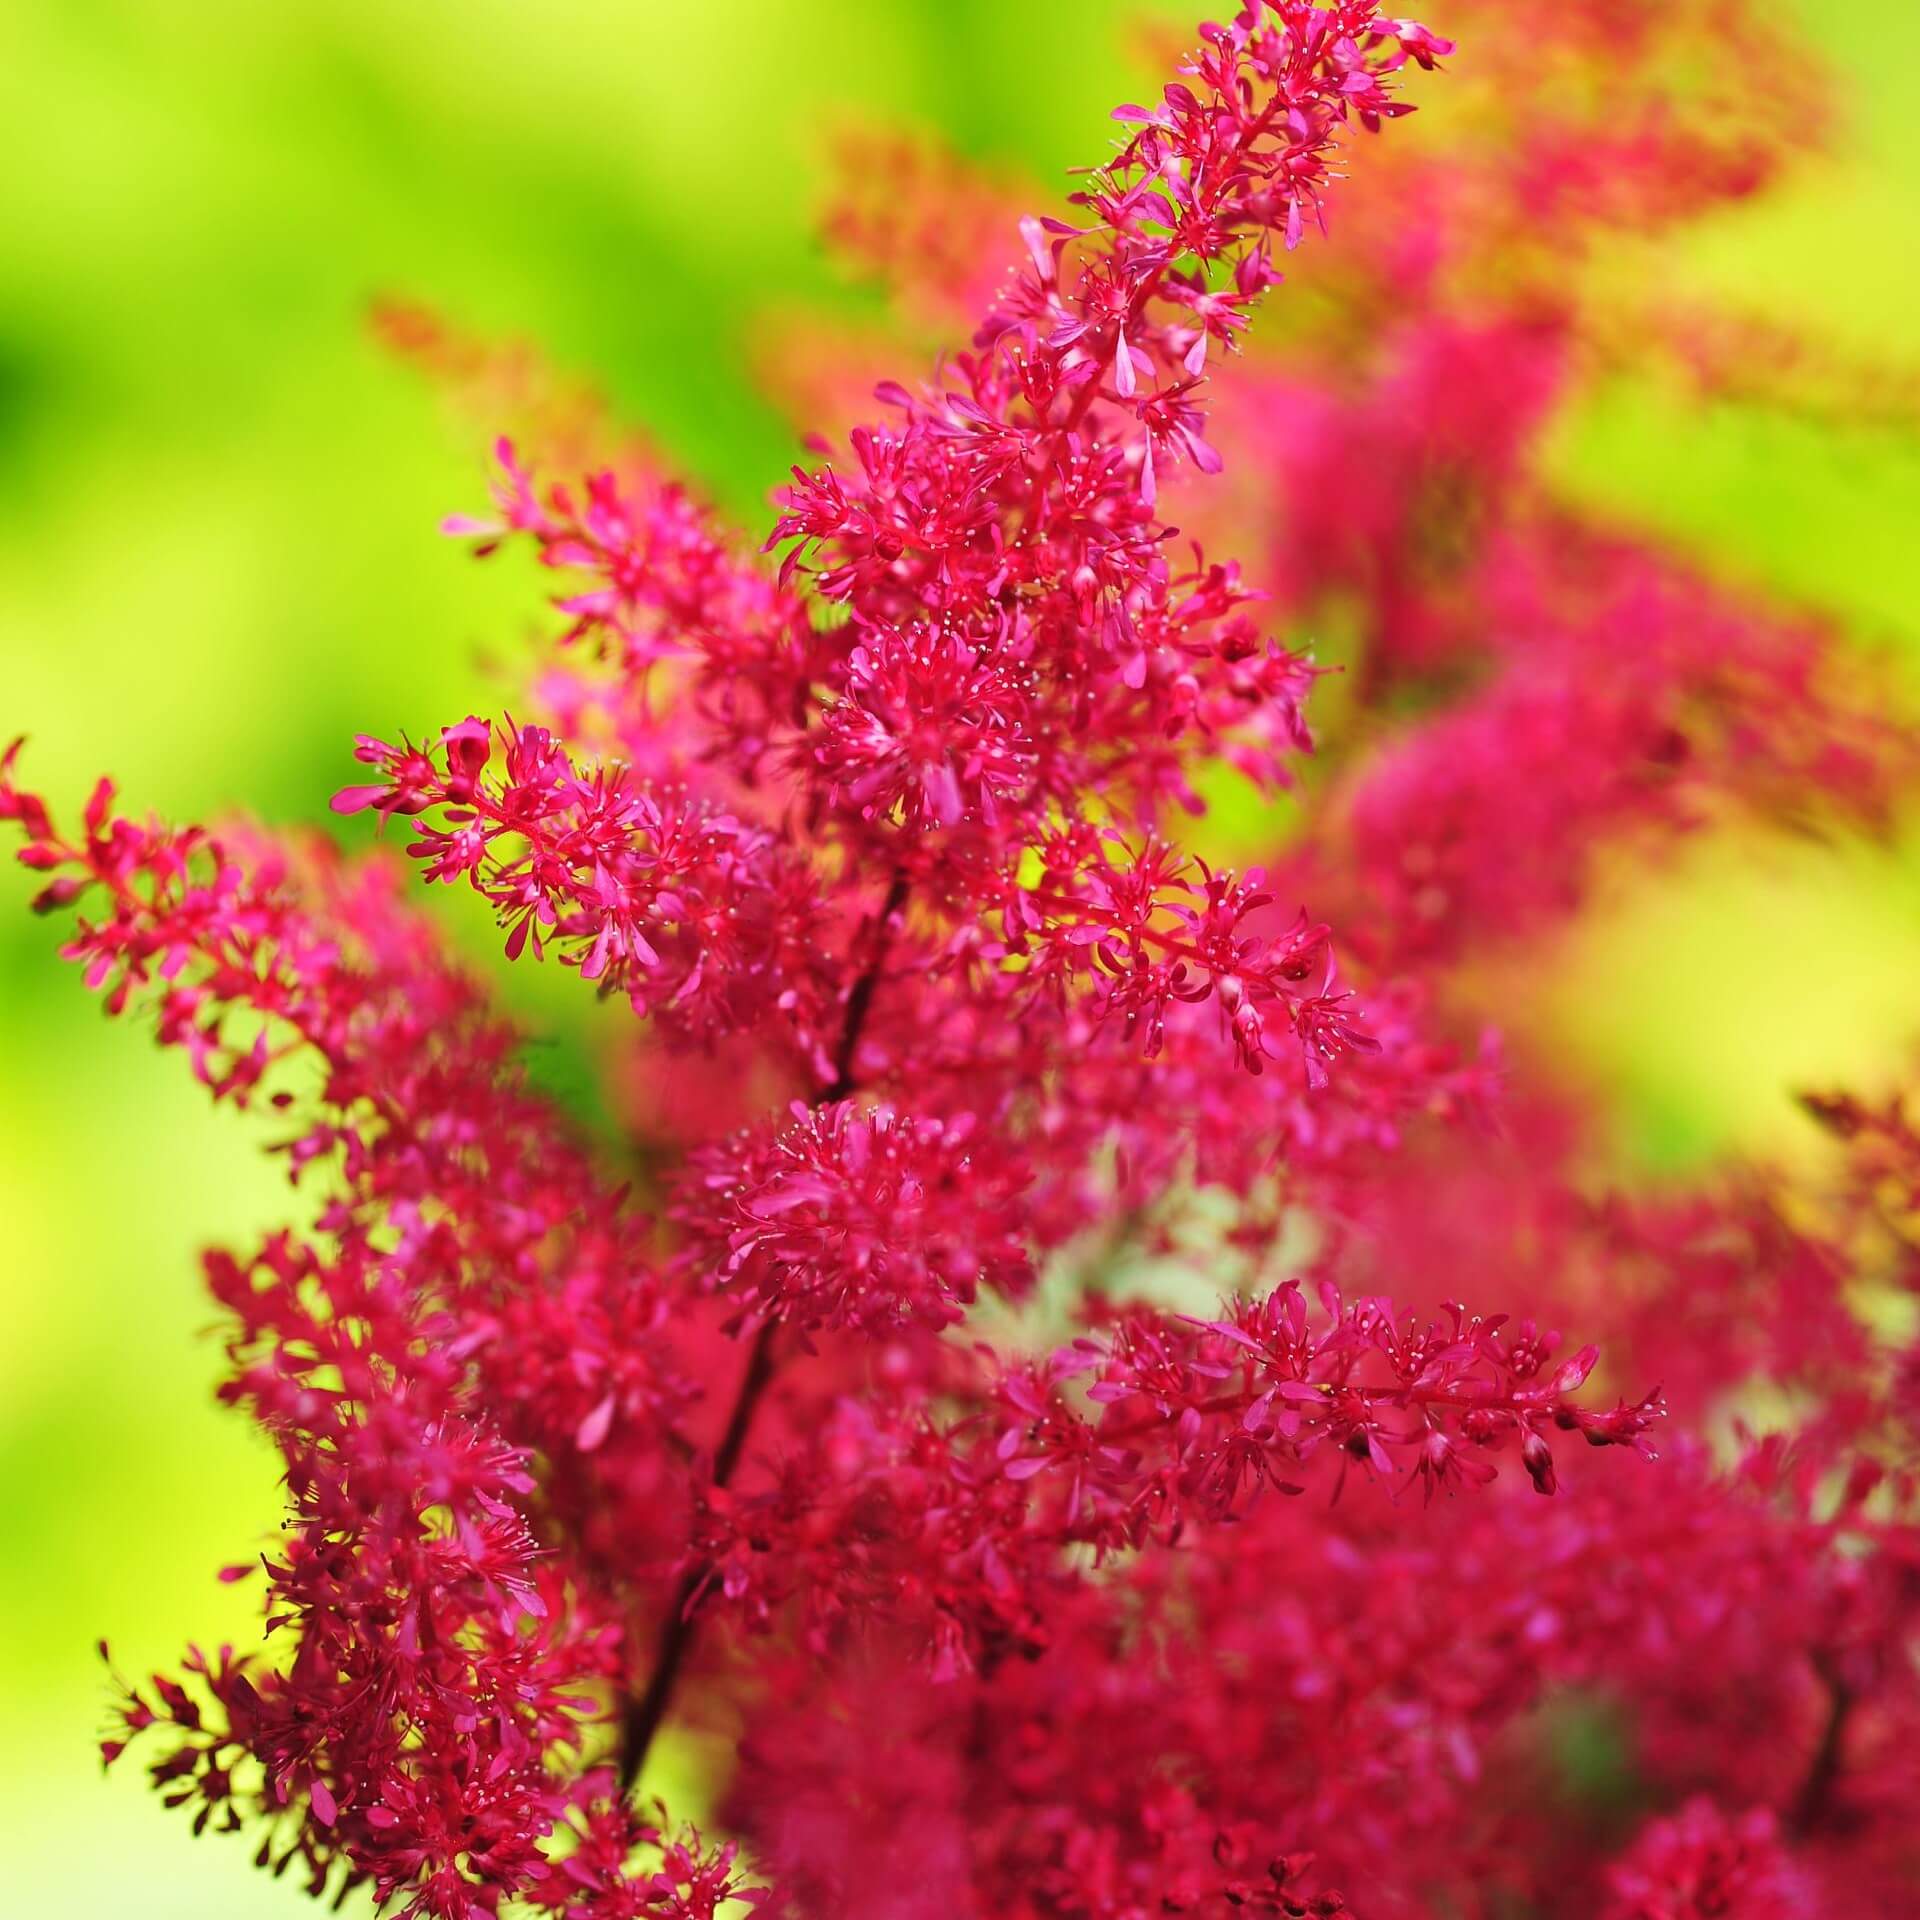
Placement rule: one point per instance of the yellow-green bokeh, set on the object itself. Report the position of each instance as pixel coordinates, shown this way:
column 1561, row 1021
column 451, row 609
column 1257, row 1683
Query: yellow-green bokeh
column 217, row 562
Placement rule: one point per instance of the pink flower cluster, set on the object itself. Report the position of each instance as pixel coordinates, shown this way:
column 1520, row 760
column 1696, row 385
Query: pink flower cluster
column 1036, row 1402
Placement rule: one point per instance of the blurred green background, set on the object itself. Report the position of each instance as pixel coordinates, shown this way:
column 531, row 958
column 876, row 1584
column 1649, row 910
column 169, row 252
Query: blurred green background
column 217, row 562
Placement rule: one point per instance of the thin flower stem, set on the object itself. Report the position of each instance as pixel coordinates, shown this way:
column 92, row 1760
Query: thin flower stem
column 1815, row 1797
column 645, row 1710
column 860, row 1000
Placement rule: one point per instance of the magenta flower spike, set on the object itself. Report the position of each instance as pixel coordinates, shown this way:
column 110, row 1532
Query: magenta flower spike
column 1030, row 1392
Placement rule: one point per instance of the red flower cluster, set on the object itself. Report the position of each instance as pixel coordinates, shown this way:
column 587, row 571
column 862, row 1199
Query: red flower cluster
column 1700, row 1862
column 1037, row 1430
column 857, row 1216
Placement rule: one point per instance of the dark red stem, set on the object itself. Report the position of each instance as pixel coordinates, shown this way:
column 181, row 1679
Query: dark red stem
column 1816, row 1791
column 646, row 1709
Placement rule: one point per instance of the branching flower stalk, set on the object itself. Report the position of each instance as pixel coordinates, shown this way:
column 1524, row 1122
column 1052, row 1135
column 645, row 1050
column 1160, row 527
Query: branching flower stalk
column 647, row 1707
column 1205, row 1573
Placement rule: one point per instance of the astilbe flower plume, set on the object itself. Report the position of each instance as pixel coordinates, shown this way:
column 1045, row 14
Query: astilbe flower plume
column 1065, row 1406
